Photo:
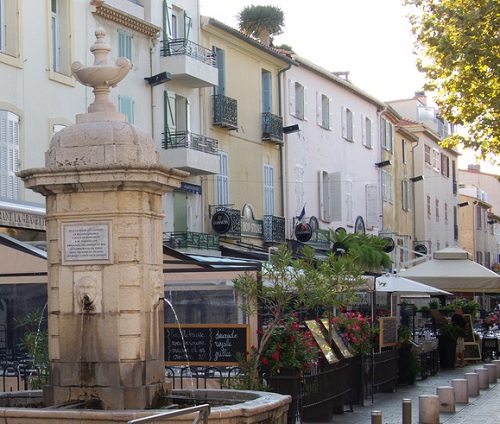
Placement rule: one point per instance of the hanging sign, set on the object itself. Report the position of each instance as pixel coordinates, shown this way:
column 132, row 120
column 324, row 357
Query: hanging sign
column 303, row 232
column 221, row 222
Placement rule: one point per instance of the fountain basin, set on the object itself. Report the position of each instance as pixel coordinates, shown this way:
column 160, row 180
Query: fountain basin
column 26, row 407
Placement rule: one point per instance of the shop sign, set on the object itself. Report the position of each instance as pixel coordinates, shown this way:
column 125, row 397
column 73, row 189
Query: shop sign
column 22, row 220
column 252, row 227
column 221, row 222
column 303, row 232
column 189, row 188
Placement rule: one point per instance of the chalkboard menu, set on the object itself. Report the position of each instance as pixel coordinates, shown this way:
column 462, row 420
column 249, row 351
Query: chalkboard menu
column 388, row 331
column 205, row 344
column 469, row 330
column 472, row 351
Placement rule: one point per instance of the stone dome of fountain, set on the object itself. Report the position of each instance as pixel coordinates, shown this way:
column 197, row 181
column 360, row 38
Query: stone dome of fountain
column 101, row 137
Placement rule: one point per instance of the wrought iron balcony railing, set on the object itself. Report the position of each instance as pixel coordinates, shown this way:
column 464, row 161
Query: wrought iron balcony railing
column 225, row 112
column 188, row 239
column 272, row 127
column 185, row 139
column 181, row 46
column 274, row 229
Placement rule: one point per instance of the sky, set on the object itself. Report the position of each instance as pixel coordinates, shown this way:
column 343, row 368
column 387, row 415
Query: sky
column 369, row 38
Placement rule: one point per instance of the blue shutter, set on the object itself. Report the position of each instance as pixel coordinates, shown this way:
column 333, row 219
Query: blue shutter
column 126, row 106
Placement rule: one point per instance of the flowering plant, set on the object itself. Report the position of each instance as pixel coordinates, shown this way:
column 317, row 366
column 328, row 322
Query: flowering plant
column 289, row 347
column 356, row 329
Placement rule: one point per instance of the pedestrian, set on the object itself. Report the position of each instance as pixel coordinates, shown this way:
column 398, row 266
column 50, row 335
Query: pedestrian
column 459, row 320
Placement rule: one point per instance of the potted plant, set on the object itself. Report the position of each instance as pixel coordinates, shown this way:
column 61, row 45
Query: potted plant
column 408, row 362
column 447, row 344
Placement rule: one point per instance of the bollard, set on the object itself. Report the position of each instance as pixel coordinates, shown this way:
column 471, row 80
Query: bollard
column 484, row 378
column 446, row 398
column 406, row 411
column 472, row 383
column 376, row 417
column 497, row 363
column 461, row 390
column 428, row 409
column 492, row 373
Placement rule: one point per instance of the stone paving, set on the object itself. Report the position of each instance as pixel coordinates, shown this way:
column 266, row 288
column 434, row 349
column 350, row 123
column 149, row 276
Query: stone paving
column 484, row 409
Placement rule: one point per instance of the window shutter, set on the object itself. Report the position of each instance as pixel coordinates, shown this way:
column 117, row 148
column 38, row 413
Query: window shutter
column 126, row 106
column 330, row 113
column 268, row 190
column 319, row 109
column 188, row 24
column 323, row 191
column 9, row 155
column 221, row 67
column 349, row 202
column 389, row 180
column 305, row 105
column 363, row 130
column 167, row 21
column 344, row 123
column 266, row 92
column 125, row 44
column 291, row 97
column 335, row 198
column 299, row 188
column 353, row 127
column 169, row 110
column 392, row 138
column 223, row 180
column 372, row 214
column 188, row 115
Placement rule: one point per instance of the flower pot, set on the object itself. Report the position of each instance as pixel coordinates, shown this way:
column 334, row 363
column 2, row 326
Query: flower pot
column 447, row 347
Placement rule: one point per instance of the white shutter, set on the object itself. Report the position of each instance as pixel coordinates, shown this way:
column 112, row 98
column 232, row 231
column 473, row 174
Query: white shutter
column 9, row 155
column 330, row 113
column 319, row 110
column 305, row 104
column 291, row 97
column 349, row 202
column 335, row 198
column 363, row 130
column 344, row 123
column 188, row 115
column 299, row 188
column 353, row 127
column 372, row 215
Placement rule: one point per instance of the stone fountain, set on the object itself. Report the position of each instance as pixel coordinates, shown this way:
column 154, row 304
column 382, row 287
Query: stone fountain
column 103, row 183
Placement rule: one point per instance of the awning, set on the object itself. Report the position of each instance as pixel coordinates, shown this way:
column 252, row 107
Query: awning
column 452, row 270
column 393, row 283
column 21, row 263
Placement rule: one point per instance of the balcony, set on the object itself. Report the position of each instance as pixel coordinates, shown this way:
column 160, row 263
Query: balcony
column 190, row 240
column 190, row 63
column 274, row 229
column 225, row 112
column 272, row 128
column 190, row 152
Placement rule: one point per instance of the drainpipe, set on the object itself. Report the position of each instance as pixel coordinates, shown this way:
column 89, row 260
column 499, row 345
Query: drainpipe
column 282, row 171
column 413, row 193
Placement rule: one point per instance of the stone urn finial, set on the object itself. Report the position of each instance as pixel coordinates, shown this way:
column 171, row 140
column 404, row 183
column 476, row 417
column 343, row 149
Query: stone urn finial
column 100, row 75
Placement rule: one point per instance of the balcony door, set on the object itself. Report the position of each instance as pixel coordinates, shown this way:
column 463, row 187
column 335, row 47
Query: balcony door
column 181, row 216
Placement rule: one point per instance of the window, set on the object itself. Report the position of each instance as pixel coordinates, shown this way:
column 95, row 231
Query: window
column 347, row 124
column 330, row 196
column 299, row 189
column 389, row 187
column 2, row 25
column 220, row 88
column 445, row 165
column 126, row 106
column 223, row 180
column 298, row 100
column 435, row 160
column 405, row 196
column 324, row 112
column 125, row 44
column 10, row 33
column 177, row 116
column 9, row 154
column 268, row 190
column 427, row 154
column 383, row 178
column 387, row 135
column 404, row 150
column 367, row 132
column 429, row 210
column 266, row 92
column 437, row 209
column 446, row 213
column 60, row 39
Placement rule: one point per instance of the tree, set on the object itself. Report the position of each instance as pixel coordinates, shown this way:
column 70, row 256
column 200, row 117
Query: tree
column 294, row 285
column 261, row 22
column 458, row 44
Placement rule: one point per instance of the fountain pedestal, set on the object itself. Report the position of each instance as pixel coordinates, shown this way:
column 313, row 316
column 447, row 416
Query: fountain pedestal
column 103, row 184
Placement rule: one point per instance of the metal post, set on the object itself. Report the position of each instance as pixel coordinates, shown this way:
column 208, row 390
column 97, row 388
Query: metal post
column 376, row 417
column 406, row 411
